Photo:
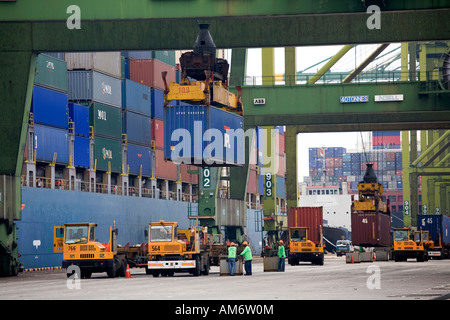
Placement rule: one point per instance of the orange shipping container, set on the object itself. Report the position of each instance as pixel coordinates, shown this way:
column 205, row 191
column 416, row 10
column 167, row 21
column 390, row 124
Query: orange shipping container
column 158, row 133
column 281, row 169
column 281, row 143
column 309, row 217
column 164, row 169
column 186, row 176
column 252, row 182
column 149, row 72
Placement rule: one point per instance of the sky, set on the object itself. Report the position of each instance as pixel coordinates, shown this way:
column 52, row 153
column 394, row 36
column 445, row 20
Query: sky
column 306, row 57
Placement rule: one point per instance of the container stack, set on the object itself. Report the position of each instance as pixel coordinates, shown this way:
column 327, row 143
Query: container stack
column 145, row 68
column 79, row 122
column 136, row 124
column 94, row 80
column 386, row 140
column 49, row 110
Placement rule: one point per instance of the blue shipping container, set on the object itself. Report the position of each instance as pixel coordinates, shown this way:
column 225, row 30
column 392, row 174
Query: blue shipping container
column 139, row 156
column 48, row 141
column 88, row 85
column 446, row 229
column 431, row 223
column 81, row 152
column 137, row 127
column 204, row 136
column 79, row 115
column 50, row 107
column 281, row 187
column 136, row 97
column 157, row 104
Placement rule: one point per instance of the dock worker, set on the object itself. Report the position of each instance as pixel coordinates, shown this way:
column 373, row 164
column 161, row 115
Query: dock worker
column 232, row 258
column 281, row 256
column 247, row 253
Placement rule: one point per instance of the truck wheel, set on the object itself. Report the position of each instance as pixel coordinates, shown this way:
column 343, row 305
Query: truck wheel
column 112, row 270
column 155, row 273
column 122, row 271
column 206, row 267
column 198, row 267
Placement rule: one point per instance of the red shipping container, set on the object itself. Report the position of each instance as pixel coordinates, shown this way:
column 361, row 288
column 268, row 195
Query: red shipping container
column 371, row 229
column 149, row 72
column 281, row 143
column 281, row 169
column 252, row 182
column 166, row 170
column 309, row 217
column 158, row 132
column 186, row 176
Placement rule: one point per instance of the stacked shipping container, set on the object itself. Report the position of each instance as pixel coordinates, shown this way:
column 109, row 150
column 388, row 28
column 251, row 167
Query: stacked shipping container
column 49, row 109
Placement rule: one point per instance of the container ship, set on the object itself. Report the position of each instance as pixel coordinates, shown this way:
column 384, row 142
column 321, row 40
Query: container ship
column 95, row 152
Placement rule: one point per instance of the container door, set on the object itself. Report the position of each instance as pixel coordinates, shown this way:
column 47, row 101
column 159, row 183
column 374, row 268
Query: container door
column 58, row 239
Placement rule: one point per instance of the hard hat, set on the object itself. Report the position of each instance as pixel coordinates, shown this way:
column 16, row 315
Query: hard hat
column 245, row 243
column 281, row 241
column 232, row 244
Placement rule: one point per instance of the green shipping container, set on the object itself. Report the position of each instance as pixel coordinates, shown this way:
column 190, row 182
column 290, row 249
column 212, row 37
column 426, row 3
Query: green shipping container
column 108, row 150
column 165, row 56
column 51, row 72
column 106, row 120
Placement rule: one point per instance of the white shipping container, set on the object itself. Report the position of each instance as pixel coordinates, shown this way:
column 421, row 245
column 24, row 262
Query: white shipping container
column 105, row 62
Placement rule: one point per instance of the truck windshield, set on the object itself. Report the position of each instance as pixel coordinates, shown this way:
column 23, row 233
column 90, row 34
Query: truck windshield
column 161, row 233
column 342, row 243
column 76, row 234
column 298, row 234
column 401, row 235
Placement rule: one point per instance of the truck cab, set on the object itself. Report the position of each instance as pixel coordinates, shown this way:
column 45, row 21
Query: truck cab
column 405, row 248
column 173, row 250
column 302, row 249
column 77, row 243
column 343, row 246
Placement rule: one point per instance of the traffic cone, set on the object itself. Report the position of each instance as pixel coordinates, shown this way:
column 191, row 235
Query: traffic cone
column 373, row 256
column 128, row 274
column 351, row 259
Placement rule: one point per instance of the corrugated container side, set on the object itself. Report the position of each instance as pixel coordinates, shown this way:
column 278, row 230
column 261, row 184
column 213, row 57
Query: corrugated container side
column 281, row 143
column 138, row 128
column 106, row 120
column 157, row 104
column 79, row 115
column 281, row 165
column 149, row 72
column 139, row 156
column 164, row 169
column 431, row 223
column 50, row 107
column 309, row 217
column 51, row 72
column 252, row 182
column 186, row 176
column 105, row 62
column 281, row 187
column 371, row 229
column 48, row 141
column 93, row 85
column 81, row 152
column 108, row 150
column 136, row 97
column 166, row 56
column 57, row 55
column 194, row 142
column 158, row 133
column 446, row 230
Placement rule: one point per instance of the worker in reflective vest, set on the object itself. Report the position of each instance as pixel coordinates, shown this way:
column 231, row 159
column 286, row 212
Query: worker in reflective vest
column 281, row 256
column 247, row 253
column 232, row 258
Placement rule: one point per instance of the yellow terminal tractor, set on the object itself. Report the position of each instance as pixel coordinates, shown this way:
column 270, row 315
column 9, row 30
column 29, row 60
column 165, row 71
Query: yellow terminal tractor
column 77, row 243
column 405, row 248
column 173, row 250
column 303, row 249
